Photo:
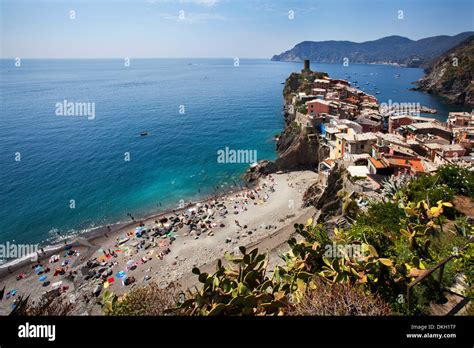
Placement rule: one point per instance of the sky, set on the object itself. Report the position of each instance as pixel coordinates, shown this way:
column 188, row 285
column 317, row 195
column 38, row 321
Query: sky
column 213, row 28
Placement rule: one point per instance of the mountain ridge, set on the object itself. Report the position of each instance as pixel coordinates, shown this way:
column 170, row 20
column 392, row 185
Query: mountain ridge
column 394, row 49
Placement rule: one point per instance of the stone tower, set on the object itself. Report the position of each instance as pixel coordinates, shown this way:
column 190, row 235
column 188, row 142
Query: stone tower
column 306, row 65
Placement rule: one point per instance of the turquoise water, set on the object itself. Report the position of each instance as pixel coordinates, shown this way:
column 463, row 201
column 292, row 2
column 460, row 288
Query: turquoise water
column 66, row 158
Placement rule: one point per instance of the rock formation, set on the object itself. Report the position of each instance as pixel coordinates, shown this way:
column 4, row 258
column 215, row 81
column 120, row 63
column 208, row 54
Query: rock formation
column 451, row 75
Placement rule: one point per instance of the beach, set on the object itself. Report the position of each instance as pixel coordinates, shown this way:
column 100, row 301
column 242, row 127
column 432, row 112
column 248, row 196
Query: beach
column 165, row 247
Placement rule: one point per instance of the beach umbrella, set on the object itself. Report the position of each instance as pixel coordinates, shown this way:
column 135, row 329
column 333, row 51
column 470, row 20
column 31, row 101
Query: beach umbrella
column 43, row 278
column 111, row 280
column 120, row 274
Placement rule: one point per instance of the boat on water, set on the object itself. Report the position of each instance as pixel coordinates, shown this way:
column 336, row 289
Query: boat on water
column 144, row 134
column 397, row 76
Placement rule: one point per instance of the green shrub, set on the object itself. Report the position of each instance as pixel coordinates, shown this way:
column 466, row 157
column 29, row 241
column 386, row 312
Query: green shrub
column 459, row 179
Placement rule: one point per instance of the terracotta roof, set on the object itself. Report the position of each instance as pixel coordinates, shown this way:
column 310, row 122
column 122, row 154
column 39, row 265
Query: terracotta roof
column 377, row 164
column 415, row 164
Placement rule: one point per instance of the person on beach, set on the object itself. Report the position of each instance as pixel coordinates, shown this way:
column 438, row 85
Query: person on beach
column 105, row 233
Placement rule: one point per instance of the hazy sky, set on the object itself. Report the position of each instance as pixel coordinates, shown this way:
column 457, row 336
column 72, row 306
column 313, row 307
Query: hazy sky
column 213, row 28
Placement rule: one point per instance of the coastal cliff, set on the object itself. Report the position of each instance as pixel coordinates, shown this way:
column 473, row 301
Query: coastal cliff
column 297, row 146
column 325, row 198
column 451, row 75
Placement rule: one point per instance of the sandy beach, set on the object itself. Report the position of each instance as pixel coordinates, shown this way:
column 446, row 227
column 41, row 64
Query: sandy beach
column 165, row 248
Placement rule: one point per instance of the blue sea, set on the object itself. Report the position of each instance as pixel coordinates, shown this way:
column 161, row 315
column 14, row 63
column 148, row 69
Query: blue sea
column 191, row 108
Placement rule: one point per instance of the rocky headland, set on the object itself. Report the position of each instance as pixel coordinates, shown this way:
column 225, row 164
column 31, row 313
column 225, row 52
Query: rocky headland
column 451, row 75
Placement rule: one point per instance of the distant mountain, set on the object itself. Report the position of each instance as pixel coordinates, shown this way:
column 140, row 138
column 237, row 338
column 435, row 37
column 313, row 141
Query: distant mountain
column 451, row 74
column 390, row 49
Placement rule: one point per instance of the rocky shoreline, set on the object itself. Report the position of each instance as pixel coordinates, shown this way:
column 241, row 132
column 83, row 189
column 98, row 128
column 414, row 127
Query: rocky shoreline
column 450, row 76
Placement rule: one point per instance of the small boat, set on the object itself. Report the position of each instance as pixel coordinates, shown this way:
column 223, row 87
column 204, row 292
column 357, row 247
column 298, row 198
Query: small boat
column 397, row 76
column 377, row 92
column 144, row 134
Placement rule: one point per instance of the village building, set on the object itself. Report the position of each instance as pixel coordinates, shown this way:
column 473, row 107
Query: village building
column 430, row 130
column 461, row 119
column 395, row 122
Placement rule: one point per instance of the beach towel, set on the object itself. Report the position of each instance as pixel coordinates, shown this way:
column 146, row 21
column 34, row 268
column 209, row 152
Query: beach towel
column 53, row 258
column 120, row 274
column 110, row 280
column 56, row 285
column 42, row 278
